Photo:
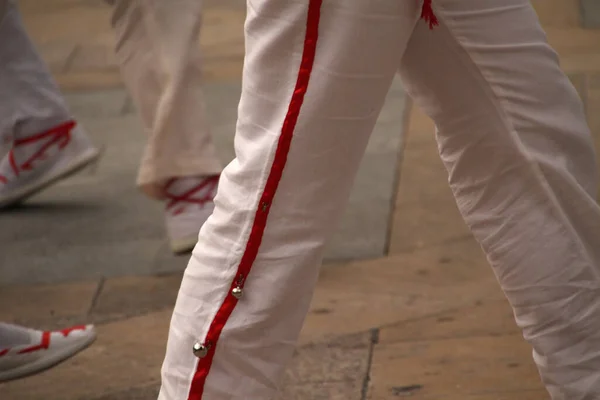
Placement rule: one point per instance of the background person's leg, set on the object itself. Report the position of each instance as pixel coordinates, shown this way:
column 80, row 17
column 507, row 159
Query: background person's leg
column 30, row 101
column 35, row 123
column 315, row 79
column 513, row 136
column 159, row 55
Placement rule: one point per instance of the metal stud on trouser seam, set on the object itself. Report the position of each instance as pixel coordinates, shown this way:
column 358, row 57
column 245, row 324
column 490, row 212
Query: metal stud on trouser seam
column 200, row 350
column 237, row 292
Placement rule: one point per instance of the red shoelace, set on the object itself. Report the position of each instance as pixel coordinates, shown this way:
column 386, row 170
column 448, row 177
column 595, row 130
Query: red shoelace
column 177, row 202
column 59, row 135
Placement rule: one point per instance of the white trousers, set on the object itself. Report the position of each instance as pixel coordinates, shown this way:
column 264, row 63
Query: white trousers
column 511, row 132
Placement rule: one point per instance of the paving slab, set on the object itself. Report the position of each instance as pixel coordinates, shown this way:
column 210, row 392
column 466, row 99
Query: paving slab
column 481, row 317
column 453, row 367
column 76, row 40
column 558, row 13
column 125, row 297
column 406, row 287
column 149, row 392
column 44, row 302
column 329, row 370
column 590, row 13
column 539, row 394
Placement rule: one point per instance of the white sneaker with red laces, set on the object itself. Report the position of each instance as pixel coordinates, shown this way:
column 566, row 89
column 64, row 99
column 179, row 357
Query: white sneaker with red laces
column 189, row 204
column 25, row 351
column 37, row 161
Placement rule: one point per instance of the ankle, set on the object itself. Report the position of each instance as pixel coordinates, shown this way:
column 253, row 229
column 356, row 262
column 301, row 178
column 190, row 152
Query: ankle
column 160, row 190
column 155, row 191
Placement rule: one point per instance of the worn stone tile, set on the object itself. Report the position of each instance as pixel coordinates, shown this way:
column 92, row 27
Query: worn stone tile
column 578, row 49
column 573, row 41
column 333, row 369
column 39, row 303
column 223, row 31
column 337, row 359
column 222, row 70
column 587, row 62
column 560, row 13
column 444, row 265
column 98, row 104
column 129, row 296
column 594, row 82
column 92, row 56
column 338, row 390
column 49, row 21
column 481, row 318
column 359, row 296
column 540, row 394
column 136, row 393
column 89, row 80
column 127, row 355
column 222, row 41
column 413, row 392
column 579, row 80
column 590, row 13
column 453, row 367
column 420, row 122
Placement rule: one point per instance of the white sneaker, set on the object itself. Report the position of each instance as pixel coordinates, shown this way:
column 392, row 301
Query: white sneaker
column 190, row 203
column 38, row 161
column 25, row 351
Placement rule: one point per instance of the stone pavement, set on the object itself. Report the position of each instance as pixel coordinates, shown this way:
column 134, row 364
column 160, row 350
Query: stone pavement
column 423, row 320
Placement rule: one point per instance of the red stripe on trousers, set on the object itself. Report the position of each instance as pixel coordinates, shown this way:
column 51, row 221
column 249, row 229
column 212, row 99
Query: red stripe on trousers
column 262, row 212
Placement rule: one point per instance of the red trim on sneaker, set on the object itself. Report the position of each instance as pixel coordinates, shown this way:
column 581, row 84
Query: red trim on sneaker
column 260, row 219
column 59, row 135
column 13, row 163
column 3, row 352
column 65, row 332
column 44, row 344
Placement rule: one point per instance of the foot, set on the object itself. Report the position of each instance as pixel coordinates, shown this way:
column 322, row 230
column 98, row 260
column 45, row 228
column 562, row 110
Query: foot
column 25, row 351
column 189, row 204
column 38, row 161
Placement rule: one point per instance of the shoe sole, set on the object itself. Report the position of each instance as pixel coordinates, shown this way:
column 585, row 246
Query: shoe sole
column 75, row 166
column 183, row 246
column 46, row 363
